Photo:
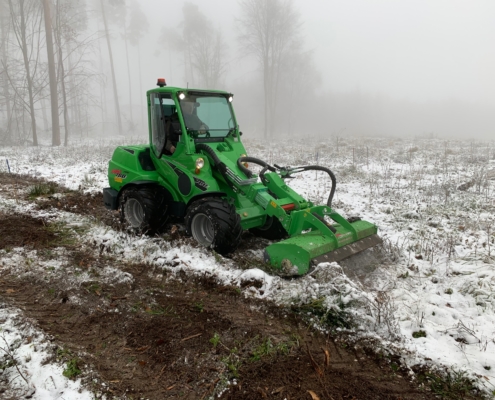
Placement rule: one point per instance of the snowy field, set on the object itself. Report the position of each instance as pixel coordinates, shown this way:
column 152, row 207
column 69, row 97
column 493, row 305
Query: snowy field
column 433, row 201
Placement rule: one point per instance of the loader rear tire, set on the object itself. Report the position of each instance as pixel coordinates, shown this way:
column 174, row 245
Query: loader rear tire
column 272, row 230
column 214, row 223
column 144, row 209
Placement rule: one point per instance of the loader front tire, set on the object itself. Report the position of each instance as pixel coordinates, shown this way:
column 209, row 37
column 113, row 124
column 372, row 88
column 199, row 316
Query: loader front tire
column 214, row 223
column 272, row 230
column 144, row 209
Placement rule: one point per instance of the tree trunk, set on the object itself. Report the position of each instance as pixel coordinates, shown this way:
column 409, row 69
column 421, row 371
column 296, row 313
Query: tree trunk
column 116, row 96
column 70, row 87
column 29, row 78
column 141, row 93
column 62, row 78
column 266, row 93
column 103, row 90
column 3, row 63
column 43, row 114
column 128, row 75
column 52, row 74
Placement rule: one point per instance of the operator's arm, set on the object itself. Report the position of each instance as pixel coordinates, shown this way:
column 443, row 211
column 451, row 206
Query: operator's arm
column 171, row 136
column 169, row 146
column 203, row 128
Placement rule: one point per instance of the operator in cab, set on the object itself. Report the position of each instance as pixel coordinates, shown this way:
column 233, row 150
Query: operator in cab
column 191, row 119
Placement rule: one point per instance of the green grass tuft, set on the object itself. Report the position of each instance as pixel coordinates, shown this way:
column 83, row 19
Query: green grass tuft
column 72, row 369
column 454, row 385
column 42, row 189
column 330, row 318
column 215, row 340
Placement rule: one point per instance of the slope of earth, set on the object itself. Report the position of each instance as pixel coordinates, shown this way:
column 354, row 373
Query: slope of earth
column 135, row 332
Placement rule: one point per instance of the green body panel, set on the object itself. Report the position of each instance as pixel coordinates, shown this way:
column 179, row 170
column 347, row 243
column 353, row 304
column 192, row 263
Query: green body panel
column 124, row 167
column 310, row 233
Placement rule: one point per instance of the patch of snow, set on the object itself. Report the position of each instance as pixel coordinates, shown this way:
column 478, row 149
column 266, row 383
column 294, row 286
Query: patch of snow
column 34, row 373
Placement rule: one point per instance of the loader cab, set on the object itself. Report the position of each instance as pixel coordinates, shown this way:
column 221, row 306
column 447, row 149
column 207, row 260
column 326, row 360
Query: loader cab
column 185, row 117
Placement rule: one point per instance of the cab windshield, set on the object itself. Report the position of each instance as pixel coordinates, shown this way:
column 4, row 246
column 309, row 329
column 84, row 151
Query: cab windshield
column 207, row 115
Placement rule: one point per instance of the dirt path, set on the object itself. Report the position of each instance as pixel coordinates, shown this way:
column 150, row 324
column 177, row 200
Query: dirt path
column 157, row 337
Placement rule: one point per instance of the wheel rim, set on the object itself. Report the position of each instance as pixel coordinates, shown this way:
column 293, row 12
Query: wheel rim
column 202, row 229
column 134, row 213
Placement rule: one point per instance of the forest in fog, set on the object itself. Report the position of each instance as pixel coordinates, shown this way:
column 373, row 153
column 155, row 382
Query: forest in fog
column 72, row 69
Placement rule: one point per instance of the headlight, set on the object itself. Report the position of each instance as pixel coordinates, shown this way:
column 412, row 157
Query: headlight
column 200, row 163
column 245, row 163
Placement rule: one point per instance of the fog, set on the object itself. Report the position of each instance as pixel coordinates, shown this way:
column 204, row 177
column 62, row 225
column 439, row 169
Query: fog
column 399, row 68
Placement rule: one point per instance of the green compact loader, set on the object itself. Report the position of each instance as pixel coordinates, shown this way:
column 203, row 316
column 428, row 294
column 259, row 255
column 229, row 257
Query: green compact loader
column 196, row 167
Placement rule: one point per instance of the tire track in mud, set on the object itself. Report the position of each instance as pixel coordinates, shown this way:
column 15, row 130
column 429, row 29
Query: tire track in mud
column 158, row 336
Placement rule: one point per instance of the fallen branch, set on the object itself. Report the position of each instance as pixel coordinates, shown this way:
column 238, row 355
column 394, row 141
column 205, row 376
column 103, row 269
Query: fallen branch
column 191, row 337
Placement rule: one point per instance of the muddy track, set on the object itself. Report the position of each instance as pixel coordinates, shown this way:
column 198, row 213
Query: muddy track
column 156, row 337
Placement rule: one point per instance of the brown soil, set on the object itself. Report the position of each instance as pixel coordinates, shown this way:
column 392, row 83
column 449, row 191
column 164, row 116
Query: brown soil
column 183, row 337
column 23, row 231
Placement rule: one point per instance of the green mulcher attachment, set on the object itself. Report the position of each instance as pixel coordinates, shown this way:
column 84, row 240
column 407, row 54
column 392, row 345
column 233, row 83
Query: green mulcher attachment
column 316, row 233
column 295, row 256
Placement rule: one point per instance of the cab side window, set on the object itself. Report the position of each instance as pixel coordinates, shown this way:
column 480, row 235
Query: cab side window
column 161, row 108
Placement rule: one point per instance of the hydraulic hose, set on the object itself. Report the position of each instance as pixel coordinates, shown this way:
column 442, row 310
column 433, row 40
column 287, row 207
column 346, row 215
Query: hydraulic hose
column 253, row 160
column 266, row 166
column 222, row 168
column 329, row 172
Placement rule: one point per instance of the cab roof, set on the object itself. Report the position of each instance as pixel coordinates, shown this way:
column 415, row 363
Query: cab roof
column 174, row 90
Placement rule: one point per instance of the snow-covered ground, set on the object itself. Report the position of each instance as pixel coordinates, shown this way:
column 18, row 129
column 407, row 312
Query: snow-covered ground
column 35, row 375
column 434, row 303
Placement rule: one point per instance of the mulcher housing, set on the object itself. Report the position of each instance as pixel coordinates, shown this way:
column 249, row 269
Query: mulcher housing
column 207, row 177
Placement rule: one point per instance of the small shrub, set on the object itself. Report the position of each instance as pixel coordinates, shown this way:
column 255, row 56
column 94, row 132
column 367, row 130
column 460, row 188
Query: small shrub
column 418, row 334
column 448, row 291
column 455, row 385
column 215, row 340
column 42, row 189
column 233, row 363
column 284, row 348
column 331, row 318
column 72, row 370
column 264, row 349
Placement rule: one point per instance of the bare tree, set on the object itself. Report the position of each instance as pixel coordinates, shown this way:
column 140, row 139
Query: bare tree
column 202, row 46
column 269, row 29
column 299, row 76
column 71, row 20
column 4, row 84
column 114, row 81
column 51, row 73
column 208, row 59
column 138, row 26
column 78, row 69
column 25, row 18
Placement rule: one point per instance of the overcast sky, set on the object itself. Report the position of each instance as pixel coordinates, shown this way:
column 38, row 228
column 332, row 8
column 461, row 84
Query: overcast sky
column 420, row 50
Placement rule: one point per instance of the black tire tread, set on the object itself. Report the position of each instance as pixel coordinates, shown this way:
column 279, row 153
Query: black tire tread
column 154, row 201
column 226, row 222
